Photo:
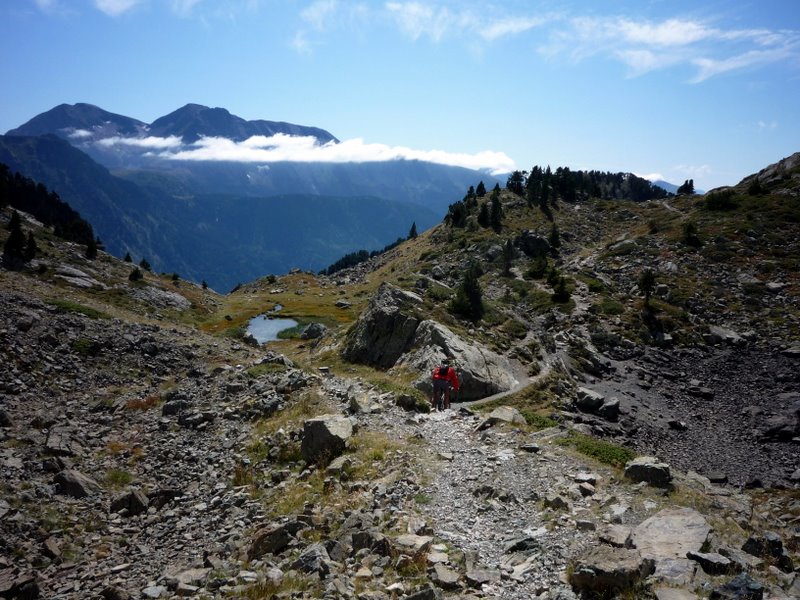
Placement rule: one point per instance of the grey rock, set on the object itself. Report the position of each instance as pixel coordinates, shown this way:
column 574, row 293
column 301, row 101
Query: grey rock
column 649, row 470
column 532, row 244
column 604, row 569
column 741, row 587
column 588, row 400
column 313, row 331
column 314, row 559
column 134, row 502
column 502, row 414
column 272, row 539
column 325, row 437
column 74, row 483
column 609, row 409
column 5, row 418
column 711, row 562
column 445, row 578
column 385, row 329
column 481, row 371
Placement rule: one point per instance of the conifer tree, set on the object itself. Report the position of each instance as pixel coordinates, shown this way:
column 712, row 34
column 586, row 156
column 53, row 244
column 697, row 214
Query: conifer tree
column 508, row 256
column 136, row 274
column 412, row 234
column 496, row 213
column 647, row 283
column 144, row 264
column 14, row 248
column 469, row 296
column 555, row 237
column 480, row 191
column 30, row 248
column 91, row 249
column 128, row 257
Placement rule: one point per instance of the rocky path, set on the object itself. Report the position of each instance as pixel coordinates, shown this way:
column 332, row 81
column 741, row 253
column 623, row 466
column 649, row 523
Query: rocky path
column 511, row 502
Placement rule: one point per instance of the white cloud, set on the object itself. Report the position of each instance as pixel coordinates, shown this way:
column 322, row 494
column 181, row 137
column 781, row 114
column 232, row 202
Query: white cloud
column 764, row 126
column 651, row 176
column 114, row 8
column 154, row 142
column 510, row 26
column 416, row 19
column 285, row 148
column 80, row 134
column 645, row 46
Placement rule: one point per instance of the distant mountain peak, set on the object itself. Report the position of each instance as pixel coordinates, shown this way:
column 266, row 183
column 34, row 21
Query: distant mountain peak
column 65, row 119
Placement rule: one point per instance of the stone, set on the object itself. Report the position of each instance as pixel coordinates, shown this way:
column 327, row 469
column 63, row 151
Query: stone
column 741, row 587
column 481, row 371
column 5, row 418
column 667, row 537
column 532, row 244
column 478, row 577
column 313, row 331
column 649, row 470
column 711, row 562
column 616, row 535
column 134, row 502
column 769, row 545
column 588, row 400
column 502, row 414
column 556, row 502
column 314, row 559
column 665, row 593
column 272, row 539
column 325, row 437
column 609, row 409
column 604, row 570
column 411, row 544
column 445, row 578
column 74, row 483
column 385, row 329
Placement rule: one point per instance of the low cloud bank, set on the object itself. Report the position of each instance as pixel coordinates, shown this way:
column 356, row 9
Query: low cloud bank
column 287, row 148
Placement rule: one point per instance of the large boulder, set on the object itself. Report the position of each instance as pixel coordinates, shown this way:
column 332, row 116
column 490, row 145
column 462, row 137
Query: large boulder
column 532, row 244
column 385, row 329
column 605, row 570
column 74, row 483
column 325, row 437
column 482, row 372
column 649, row 470
column 667, row 537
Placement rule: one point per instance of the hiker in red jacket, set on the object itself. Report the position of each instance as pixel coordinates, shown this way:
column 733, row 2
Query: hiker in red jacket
column 444, row 378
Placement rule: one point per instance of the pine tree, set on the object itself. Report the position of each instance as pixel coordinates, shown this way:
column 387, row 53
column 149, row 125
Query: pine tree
column 469, row 296
column 496, row 213
column 647, row 283
column 555, row 237
column 483, row 215
column 91, row 249
column 14, row 248
column 412, row 234
column 30, row 248
column 128, row 257
column 480, row 191
column 136, row 274
column 144, row 264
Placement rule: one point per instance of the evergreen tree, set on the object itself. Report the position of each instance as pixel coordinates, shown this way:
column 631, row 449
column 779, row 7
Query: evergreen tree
column 496, row 213
column 483, row 215
column 30, row 248
column 144, row 264
column 560, row 292
column 555, row 237
column 516, row 183
column 690, row 237
column 496, row 188
column 647, row 283
column 412, row 234
column 468, row 301
column 128, row 257
column 480, row 191
column 204, row 284
column 91, row 249
column 136, row 275
column 456, row 215
column 686, row 188
column 14, row 248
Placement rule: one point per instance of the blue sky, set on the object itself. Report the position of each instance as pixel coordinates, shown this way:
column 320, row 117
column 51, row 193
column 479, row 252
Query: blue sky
column 683, row 89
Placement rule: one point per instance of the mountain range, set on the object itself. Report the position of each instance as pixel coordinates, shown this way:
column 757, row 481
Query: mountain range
column 168, row 191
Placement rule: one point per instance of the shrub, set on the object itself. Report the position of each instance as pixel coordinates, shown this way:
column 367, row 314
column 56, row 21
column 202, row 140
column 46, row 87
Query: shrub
column 722, row 200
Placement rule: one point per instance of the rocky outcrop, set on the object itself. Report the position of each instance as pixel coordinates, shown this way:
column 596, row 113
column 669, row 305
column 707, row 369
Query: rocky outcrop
column 390, row 332
column 385, row 329
column 606, row 570
column 482, row 372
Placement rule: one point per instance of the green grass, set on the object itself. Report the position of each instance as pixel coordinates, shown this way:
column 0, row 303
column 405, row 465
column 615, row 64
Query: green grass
column 264, row 369
column 610, row 306
column 117, row 478
column 602, row 451
column 68, row 306
column 85, row 347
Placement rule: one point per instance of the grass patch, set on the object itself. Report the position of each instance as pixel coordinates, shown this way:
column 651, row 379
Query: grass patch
column 602, row 451
column 257, row 371
column 68, row 306
column 86, row 347
column 117, row 478
column 610, row 306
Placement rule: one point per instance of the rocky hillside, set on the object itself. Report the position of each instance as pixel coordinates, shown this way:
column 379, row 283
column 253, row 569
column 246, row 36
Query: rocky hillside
column 607, row 442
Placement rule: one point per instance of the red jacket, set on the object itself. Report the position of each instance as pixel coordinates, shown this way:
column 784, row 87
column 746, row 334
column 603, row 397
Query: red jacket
column 449, row 376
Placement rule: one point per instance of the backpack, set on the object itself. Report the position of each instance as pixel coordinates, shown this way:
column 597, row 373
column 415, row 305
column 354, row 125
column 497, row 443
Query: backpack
column 443, row 372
